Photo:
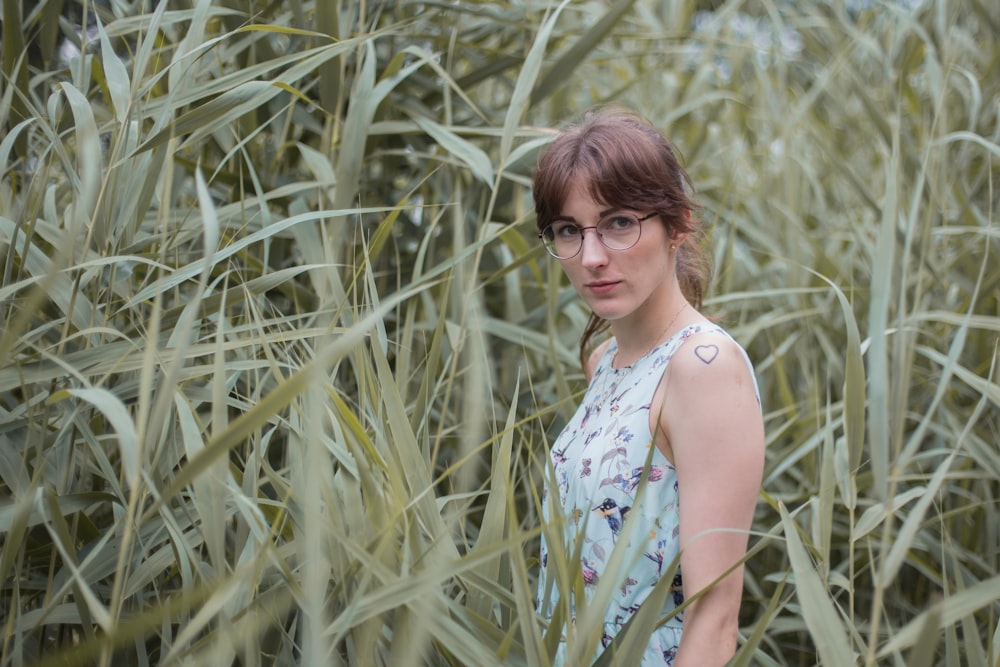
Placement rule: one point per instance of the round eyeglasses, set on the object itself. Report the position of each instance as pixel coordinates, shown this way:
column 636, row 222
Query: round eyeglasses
column 618, row 231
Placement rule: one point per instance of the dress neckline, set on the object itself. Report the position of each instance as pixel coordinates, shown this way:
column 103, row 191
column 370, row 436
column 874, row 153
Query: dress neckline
column 613, row 348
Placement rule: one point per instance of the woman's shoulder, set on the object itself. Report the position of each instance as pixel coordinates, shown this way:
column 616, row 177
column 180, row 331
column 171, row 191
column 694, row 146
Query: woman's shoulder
column 595, row 357
column 708, row 355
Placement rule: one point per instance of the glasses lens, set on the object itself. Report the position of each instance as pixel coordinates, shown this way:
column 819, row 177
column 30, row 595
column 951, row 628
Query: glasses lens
column 562, row 240
column 619, row 231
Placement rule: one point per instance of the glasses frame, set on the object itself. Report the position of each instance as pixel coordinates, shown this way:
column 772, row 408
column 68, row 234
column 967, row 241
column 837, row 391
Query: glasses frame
column 640, row 220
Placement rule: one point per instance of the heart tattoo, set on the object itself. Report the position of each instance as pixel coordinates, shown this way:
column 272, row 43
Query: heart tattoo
column 707, row 353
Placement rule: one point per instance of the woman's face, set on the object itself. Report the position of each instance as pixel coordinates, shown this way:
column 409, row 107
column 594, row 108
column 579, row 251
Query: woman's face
column 619, row 285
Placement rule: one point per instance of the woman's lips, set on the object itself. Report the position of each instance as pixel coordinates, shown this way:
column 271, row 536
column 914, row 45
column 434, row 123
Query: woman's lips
column 602, row 286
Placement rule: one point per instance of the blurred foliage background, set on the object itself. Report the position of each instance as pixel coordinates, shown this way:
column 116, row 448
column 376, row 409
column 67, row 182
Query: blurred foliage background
column 281, row 356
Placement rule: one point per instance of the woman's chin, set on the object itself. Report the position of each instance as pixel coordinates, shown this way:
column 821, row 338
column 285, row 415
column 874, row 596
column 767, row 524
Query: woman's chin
column 605, row 312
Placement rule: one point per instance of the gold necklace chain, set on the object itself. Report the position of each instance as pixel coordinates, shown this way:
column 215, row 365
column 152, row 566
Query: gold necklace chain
column 666, row 329
column 611, row 380
column 658, row 339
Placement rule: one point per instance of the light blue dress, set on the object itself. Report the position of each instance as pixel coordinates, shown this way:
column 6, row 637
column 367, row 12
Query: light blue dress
column 598, row 460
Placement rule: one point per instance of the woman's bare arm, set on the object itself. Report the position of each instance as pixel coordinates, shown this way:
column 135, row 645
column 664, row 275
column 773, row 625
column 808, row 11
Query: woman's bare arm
column 713, row 423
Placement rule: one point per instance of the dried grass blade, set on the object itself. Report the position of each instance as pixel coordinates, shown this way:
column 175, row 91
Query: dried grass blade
column 949, row 611
column 825, row 625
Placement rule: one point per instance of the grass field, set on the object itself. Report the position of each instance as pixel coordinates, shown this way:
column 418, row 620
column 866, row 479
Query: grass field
column 281, row 356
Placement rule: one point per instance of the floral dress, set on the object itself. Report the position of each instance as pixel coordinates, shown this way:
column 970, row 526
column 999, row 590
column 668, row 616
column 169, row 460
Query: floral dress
column 598, row 461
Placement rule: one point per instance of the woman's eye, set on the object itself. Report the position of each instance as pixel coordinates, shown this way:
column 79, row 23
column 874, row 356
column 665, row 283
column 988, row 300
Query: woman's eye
column 619, row 223
column 567, row 231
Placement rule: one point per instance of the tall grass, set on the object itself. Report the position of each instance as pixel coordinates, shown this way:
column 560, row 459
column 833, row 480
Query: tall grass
column 280, row 358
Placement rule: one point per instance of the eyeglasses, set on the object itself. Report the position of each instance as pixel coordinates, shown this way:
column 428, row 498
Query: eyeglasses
column 618, row 231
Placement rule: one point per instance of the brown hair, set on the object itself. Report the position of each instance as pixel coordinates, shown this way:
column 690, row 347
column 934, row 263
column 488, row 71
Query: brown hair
column 628, row 163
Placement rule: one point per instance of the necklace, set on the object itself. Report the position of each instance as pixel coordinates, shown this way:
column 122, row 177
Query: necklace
column 611, row 379
column 656, row 341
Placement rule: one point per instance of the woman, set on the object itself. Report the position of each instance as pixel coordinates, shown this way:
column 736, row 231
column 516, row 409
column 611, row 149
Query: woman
column 665, row 453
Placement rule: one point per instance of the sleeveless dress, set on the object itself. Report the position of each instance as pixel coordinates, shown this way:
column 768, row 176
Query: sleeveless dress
column 598, row 460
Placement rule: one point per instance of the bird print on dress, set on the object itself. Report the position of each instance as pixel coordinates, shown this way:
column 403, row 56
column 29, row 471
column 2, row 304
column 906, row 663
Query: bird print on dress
column 656, row 555
column 628, row 482
column 677, row 590
column 613, row 514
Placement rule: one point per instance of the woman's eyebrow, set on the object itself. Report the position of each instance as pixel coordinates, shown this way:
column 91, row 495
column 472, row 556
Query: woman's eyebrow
column 602, row 214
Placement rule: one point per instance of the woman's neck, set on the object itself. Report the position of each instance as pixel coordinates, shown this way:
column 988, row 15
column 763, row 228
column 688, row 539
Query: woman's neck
column 637, row 336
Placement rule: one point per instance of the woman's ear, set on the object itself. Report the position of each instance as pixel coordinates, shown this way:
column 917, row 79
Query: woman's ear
column 679, row 235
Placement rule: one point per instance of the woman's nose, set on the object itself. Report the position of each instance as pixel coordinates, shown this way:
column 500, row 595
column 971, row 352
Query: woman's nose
column 593, row 253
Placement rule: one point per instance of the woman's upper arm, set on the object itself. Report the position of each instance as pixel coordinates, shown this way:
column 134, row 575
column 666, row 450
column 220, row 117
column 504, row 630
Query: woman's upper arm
column 712, row 418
